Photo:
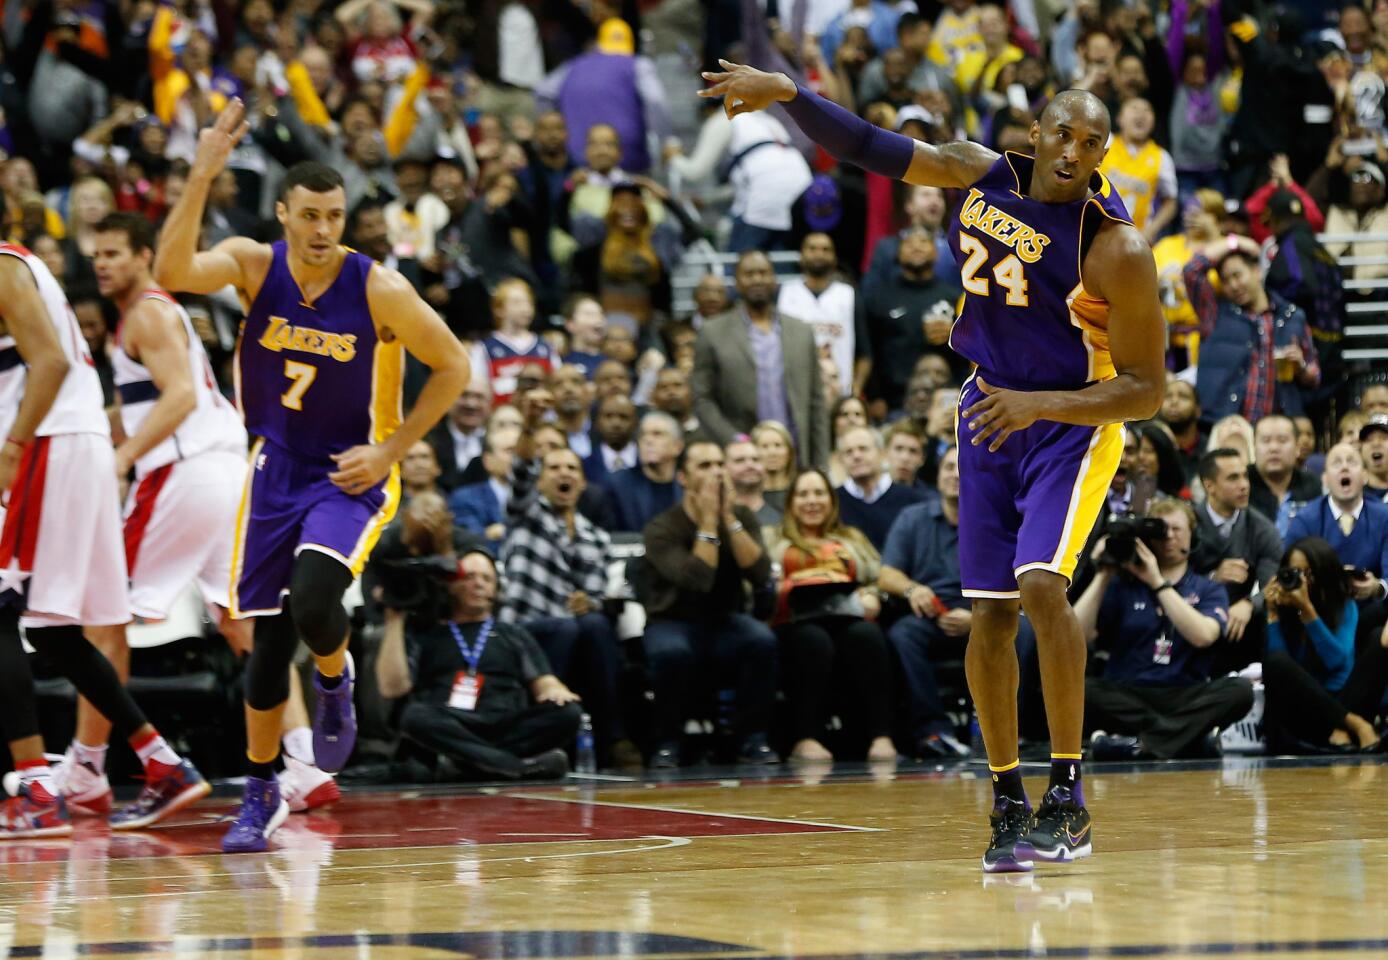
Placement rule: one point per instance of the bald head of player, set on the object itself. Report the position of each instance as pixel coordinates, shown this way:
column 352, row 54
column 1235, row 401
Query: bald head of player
column 312, row 208
column 1071, row 137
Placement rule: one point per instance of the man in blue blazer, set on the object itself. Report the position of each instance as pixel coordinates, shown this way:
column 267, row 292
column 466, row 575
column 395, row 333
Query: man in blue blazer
column 1356, row 527
column 481, row 507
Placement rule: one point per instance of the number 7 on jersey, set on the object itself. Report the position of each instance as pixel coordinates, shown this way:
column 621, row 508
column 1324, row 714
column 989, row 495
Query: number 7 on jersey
column 301, row 377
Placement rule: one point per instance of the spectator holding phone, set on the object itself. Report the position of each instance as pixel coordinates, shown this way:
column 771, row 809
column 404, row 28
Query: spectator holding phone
column 1319, row 691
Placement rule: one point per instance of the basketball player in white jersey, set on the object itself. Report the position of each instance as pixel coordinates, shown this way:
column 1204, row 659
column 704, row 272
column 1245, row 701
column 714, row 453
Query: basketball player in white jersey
column 187, row 446
column 62, row 563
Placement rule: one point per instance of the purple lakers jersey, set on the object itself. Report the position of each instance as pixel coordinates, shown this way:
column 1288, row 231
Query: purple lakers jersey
column 1027, row 320
column 316, row 380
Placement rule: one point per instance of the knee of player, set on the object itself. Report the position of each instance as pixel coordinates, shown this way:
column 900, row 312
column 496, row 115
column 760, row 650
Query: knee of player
column 1043, row 592
column 994, row 620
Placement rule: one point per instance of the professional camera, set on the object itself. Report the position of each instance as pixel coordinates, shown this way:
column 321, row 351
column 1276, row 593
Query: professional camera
column 1289, row 578
column 1123, row 534
column 417, row 585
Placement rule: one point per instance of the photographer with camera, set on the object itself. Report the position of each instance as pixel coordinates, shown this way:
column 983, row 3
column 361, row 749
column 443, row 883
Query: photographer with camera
column 1159, row 622
column 1318, row 690
column 482, row 692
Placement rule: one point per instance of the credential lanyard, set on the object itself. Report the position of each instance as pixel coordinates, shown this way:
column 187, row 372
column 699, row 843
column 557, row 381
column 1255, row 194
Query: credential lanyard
column 472, row 654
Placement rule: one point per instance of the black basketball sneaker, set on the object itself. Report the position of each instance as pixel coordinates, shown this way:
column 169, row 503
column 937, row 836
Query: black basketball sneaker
column 1061, row 832
column 1011, row 820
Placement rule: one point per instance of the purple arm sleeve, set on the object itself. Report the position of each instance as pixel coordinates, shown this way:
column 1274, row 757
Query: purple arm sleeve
column 850, row 138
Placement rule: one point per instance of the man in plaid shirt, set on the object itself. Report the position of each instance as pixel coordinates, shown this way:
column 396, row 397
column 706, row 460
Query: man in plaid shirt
column 1256, row 351
column 555, row 562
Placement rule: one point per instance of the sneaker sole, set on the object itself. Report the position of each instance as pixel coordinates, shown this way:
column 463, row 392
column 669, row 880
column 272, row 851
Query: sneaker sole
column 1008, row 865
column 1063, row 854
column 62, row 831
column 95, row 807
column 320, row 796
column 274, row 823
column 187, row 798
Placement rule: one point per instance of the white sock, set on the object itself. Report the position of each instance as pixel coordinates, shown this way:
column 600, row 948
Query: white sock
column 95, row 757
column 298, row 743
column 156, row 748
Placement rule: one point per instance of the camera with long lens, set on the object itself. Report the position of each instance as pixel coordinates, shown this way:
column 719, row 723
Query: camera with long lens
column 417, row 586
column 1123, row 534
column 1289, row 578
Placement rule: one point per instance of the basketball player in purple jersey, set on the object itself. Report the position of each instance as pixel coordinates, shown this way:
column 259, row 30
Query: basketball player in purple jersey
column 1064, row 328
column 319, row 367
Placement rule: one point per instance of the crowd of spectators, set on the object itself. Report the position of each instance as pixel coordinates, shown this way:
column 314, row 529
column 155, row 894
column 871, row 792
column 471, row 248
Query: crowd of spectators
column 779, row 445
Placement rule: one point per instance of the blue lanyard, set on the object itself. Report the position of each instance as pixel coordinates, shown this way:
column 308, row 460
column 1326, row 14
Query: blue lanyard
column 473, row 654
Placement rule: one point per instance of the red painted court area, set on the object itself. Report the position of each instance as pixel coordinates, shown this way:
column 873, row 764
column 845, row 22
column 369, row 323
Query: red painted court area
column 379, row 821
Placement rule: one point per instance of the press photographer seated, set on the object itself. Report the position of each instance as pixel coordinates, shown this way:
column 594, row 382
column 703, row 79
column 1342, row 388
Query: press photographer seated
column 1159, row 622
column 1319, row 692
column 481, row 692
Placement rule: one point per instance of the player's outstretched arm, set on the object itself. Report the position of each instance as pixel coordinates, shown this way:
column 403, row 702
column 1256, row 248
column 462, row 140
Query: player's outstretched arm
column 152, row 331
column 178, row 265
column 26, row 319
column 415, row 324
column 846, row 136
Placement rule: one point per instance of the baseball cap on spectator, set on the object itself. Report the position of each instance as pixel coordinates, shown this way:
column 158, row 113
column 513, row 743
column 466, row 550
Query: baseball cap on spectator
column 916, row 112
column 614, row 36
column 821, row 204
column 1284, row 205
column 1378, row 421
column 1372, row 170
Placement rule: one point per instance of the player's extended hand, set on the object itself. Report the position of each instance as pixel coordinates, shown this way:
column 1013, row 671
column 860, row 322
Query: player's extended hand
column 745, row 89
column 360, row 468
column 216, row 142
column 1002, row 413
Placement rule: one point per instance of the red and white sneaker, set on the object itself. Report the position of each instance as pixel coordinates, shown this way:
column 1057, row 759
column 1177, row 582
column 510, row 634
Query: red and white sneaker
column 305, row 787
column 86, row 792
column 22, row 816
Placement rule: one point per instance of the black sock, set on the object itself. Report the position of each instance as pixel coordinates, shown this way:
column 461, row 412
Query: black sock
column 261, row 771
column 1007, row 782
column 331, row 683
column 1065, row 772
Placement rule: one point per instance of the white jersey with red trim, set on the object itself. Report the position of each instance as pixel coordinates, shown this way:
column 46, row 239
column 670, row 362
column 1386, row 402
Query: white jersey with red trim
column 79, row 406
column 213, row 424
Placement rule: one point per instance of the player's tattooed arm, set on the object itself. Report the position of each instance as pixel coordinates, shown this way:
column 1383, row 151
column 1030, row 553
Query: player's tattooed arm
column 403, row 315
column 957, row 164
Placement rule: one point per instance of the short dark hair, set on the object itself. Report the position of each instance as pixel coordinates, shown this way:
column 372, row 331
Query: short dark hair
column 364, row 206
column 1209, row 463
column 908, row 22
column 684, row 454
column 313, row 176
column 1243, row 255
column 137, row 229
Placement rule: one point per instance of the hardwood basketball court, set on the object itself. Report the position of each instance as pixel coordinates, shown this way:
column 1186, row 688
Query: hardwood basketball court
column 1240, row 858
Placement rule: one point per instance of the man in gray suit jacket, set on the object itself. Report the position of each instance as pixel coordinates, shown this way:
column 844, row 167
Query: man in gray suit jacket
column 1237, row 547
column 754, row 364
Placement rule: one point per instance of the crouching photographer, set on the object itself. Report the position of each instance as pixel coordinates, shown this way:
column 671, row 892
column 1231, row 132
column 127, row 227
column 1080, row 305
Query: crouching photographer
column 1318, row 691
column 481, row 692
column 1158, row 621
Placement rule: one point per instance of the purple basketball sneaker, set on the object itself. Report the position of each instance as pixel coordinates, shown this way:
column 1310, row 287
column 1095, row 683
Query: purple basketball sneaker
column 263, row 811
column 334, row 720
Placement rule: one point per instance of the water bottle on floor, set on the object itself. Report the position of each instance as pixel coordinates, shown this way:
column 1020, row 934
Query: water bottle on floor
column 585, row 760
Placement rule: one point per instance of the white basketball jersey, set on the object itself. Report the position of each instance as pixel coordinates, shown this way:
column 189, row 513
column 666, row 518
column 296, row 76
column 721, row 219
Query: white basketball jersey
column 214, row 424
column 79, row 406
